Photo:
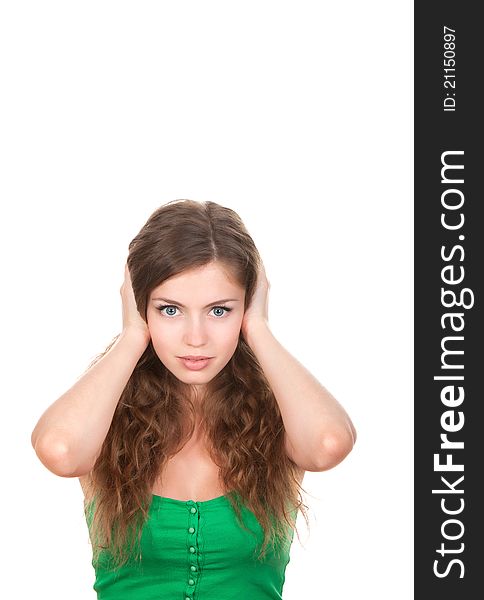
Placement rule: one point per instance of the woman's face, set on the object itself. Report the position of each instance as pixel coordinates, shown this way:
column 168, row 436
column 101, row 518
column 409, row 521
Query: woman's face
column 186, row 317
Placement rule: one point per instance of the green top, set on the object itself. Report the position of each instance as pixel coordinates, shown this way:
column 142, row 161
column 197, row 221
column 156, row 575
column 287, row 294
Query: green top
column 196, row 551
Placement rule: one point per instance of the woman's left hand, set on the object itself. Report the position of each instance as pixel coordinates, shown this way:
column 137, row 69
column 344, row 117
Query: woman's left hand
column 258, row 310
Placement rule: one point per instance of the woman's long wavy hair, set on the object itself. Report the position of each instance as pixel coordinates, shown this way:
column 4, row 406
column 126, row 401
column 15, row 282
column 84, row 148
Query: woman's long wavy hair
column 154, row 417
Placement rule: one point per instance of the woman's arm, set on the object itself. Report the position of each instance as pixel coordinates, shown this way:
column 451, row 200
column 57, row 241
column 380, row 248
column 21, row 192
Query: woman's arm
column 319, row 433
column 69, row 435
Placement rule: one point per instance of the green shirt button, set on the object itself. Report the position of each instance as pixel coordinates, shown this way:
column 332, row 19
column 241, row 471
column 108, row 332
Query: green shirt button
column 191, row 530
column 190, row 582
column 192, row 549
column 193, row 510
column 192, row 568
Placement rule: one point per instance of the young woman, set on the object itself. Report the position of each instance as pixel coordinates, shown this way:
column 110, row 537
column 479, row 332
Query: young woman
column 191, row 433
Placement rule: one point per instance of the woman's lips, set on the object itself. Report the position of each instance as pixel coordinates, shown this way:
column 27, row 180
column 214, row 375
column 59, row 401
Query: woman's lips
column 194, row 364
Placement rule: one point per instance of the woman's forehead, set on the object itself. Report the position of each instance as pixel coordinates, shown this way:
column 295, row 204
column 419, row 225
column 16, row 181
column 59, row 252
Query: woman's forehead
column 210, row 282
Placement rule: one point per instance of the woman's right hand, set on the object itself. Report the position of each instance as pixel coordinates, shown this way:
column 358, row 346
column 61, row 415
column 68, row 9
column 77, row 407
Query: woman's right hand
column 132, row 320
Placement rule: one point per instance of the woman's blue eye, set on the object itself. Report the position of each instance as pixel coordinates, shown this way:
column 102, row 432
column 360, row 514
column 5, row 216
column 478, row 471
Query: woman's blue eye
column 226, row 309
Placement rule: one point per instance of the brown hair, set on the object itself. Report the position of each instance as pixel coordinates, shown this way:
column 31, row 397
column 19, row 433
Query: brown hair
column 245, row 438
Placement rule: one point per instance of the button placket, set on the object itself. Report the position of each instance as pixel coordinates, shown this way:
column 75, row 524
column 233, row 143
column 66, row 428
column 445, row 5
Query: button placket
column 193, row 550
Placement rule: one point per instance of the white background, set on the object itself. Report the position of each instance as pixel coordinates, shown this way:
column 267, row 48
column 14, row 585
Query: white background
column 298, row 115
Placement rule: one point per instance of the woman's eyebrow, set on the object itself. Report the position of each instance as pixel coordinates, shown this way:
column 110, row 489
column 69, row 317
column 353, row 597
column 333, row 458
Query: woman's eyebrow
column 208, row 305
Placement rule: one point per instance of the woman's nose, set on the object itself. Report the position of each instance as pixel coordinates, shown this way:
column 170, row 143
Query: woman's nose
column 195, row 333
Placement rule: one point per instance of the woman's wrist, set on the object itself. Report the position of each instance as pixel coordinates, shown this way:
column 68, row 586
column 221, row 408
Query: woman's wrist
column 253, row 328
column 135, row 337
